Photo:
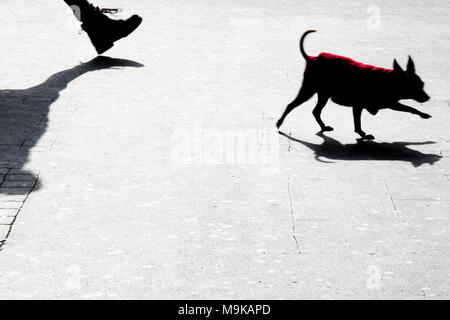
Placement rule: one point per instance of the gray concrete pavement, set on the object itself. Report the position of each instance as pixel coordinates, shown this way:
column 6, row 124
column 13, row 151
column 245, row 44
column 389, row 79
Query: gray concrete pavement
column 122, row 182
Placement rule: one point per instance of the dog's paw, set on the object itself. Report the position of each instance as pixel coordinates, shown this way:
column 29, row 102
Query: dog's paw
column 327, row 128
column 368, row 137
column 425, row 116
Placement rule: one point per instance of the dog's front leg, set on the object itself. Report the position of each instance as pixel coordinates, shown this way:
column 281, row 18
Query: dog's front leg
column 401, row 107
column 357, row 120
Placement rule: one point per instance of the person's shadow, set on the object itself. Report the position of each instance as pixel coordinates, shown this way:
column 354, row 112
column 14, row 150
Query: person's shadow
column 368, row 150
column 24, row 119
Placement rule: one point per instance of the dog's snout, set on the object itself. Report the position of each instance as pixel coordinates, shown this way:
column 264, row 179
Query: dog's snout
column 425, row 98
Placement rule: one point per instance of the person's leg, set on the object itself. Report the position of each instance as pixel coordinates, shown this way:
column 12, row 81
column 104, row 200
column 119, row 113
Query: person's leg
column 102, row 30
column 79, row 3
column 77, row 6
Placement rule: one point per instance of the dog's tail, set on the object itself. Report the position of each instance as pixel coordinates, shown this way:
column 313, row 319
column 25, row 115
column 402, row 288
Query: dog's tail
column 301, row 44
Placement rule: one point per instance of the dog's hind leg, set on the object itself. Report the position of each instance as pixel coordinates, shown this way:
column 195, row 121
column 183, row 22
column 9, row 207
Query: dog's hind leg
column 357, row 120
column 321, row 102
column 303, row 96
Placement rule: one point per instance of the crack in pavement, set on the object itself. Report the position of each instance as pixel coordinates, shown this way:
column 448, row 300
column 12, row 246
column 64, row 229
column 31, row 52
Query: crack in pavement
column 390, row 196
column 4, row 176
column 294, row 233
column 262, row 133
column 289, row 143
column 17, row 210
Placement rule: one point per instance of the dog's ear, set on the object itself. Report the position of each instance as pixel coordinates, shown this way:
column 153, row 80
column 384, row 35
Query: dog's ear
column 410, row 68
column 397, row 66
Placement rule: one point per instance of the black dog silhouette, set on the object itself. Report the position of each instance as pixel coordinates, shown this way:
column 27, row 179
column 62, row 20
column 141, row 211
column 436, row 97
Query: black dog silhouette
column 368, row 150
column 24, row 116
column 361, row 86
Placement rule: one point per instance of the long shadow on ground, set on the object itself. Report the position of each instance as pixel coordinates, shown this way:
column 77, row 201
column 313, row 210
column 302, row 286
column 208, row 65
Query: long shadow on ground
column 368, row 150
column 24, row 119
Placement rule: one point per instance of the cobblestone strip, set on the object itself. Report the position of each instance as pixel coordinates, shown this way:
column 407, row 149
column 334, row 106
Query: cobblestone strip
column 15, row 187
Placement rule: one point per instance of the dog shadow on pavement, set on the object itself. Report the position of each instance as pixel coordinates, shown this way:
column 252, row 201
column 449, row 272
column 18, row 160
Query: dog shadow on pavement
column 368, row 150
column 24, row 119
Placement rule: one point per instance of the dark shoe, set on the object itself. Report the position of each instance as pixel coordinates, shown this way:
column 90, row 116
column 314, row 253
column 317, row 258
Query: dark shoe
column 104, row 31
